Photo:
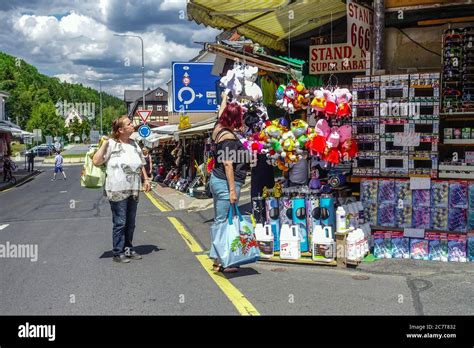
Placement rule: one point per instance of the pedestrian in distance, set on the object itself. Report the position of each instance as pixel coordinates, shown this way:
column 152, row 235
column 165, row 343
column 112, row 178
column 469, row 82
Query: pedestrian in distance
column 31, row 160
column 125, row 165
column 58, row 166
column 7, row 168
column 229, row 172
column 148, row 162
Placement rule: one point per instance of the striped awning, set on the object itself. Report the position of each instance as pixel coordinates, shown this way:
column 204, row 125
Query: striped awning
column 270, row 23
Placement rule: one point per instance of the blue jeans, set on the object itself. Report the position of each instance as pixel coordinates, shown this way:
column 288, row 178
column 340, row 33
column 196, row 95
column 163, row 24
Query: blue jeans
column 123, row 217
column 220, row 194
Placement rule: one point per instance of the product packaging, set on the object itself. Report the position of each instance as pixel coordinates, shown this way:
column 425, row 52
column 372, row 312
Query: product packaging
column 286, row 211
column 386, row 215
column 421, row 217
column 419, row 249
column 434, row 246
column 457, row 248
column 402, row 193
column 370, row 213
column 382, row 244
column 470, row 219
column 443, row 241
column 470, row 247
column 386, row 192
column 400, row 246
column 458, row 197
column 471, row 196
column 448, row 133
column 439, row 218
column 439, row 194
column 403, row 216
column 368, row 191
column 421, row 198
column 457, row 220
column 466, row 133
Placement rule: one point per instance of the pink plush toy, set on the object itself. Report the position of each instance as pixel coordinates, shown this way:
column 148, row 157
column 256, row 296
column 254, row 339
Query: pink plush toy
column 331, row 153
column 318, row 143
column 343, row 99
column 331, row 108
column 347, row 145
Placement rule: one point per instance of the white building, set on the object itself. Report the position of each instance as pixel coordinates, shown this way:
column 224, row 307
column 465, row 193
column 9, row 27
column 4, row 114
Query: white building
column 71, row 115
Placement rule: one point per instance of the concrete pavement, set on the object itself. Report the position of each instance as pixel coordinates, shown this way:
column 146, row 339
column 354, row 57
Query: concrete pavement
column 74, row 273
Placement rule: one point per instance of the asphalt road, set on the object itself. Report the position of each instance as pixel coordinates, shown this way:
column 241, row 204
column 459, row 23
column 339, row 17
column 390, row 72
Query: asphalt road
column 74, row 273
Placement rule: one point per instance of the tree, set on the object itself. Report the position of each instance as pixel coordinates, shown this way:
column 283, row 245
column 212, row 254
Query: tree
column 75, row 127
column 44, row 117
column 85, row 127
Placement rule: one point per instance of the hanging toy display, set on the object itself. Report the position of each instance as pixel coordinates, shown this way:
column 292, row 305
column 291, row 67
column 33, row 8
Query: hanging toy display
column 335, row 103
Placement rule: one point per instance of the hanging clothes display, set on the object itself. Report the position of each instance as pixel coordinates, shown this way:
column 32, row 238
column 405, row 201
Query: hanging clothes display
column 269, row 90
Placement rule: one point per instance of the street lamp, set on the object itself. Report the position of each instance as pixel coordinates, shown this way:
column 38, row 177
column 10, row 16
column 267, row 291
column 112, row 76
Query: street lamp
column 143, row 64
column 100, row 98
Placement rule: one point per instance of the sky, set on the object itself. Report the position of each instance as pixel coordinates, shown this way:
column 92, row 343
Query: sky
column 73, row 40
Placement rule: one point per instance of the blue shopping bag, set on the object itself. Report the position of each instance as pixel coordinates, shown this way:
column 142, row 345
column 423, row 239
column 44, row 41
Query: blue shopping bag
column 234, row 241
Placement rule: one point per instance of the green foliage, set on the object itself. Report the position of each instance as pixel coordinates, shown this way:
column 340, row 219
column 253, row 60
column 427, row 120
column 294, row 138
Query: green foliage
column 29, row 90
column 44, row 117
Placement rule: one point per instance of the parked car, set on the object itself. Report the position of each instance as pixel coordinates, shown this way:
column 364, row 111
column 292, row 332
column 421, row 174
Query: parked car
column 50, row 146
column 41, row 150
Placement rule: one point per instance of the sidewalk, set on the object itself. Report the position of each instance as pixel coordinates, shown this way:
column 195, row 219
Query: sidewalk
column 181, row 201
column 21, row 176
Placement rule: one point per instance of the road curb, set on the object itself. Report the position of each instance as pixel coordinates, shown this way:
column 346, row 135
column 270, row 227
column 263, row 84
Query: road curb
column 21, row 180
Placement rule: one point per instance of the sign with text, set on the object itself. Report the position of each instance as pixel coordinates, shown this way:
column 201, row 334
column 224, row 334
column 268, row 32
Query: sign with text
column 337, row 58
column 414, row 233
column 360, row 22
column 420, row 183
column 406, row 139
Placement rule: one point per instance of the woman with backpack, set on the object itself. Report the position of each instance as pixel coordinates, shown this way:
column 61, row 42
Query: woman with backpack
column 125, row 165
column 230, row 168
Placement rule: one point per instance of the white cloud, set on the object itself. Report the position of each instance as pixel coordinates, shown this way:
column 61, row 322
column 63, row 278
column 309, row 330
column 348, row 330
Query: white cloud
column 69, row 78
column 173, row 5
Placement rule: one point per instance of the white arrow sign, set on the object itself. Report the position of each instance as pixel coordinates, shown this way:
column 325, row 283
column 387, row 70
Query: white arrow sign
column 199, row 95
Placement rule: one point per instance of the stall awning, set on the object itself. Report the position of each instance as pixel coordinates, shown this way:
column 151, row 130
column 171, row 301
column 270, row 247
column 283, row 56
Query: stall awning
column 155, row 139
column 266, row 22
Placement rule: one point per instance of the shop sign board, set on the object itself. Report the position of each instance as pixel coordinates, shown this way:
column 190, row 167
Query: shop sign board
column 37, row 134
column 360, row 23
column 337, row 58
column 194, row 87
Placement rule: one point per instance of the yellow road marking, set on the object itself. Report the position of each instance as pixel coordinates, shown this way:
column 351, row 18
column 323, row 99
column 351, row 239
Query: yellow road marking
column 160, row 206
column 233, row 294
column 243, row 306
column 188, row 238
column 7, row 189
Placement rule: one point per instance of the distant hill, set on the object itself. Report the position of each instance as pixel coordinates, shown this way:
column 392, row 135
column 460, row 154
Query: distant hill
column 28, row 88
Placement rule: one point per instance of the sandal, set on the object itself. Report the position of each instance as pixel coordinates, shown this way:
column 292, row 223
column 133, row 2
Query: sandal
column 229, row 270
column 216, row 267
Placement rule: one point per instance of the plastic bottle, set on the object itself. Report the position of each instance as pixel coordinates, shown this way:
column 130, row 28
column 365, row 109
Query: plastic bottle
column 341, row 223
column 360, row 207
column 290, row 247
column 351, row 241
column 323, row 244
column 264, row 236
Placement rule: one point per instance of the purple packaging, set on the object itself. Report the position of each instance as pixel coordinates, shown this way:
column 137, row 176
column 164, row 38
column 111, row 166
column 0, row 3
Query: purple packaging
column 368, row 191
column 457, row 248
column 421, row 217
column 458, row 197
column 457, row 220
column 421, row 198
column 386, row 192
column 419, row 249
column 386, row 215
column 286, row 211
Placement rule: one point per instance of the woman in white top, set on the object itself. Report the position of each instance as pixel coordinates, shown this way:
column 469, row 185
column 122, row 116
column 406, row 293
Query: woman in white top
column 125, row 165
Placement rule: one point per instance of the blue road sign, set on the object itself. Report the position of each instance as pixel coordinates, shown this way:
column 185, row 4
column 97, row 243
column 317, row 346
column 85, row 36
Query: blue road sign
column 194, row 88
column 144, row 131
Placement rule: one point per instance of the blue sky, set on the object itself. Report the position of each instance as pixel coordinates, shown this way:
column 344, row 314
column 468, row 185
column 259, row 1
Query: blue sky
column 73, row 40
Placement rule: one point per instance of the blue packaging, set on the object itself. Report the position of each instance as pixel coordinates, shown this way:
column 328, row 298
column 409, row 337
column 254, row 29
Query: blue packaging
column 471, row 196
column 470, row 247
column 458, row 197
column 328, row 203
column 382, row 245
column 299, row 218
column 386, row 215
column 386, row 192
column 419, row 249
column 311, row 214
column 368, row 191
column 400, row 246
column 439, row 194
column 421, row 198
column 434, row 246
column 272, row 210
column 439, row 219
column 457, row 220
column 286, row 212
column 457, row 248
column 470, row 219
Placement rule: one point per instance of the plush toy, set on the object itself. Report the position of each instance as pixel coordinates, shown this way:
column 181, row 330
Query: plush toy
column 299, row 127
column 331, row 108
column 319, row 101
column 288, row 99
column 347, row 145
column 280, row 92
column 302, row 98
column 318, row 144
column 344, row 98
column 331, row 153
column 232, row 81
column 252, row 90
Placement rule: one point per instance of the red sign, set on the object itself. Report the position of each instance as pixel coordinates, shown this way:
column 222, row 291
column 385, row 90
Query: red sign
column 144, row 114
